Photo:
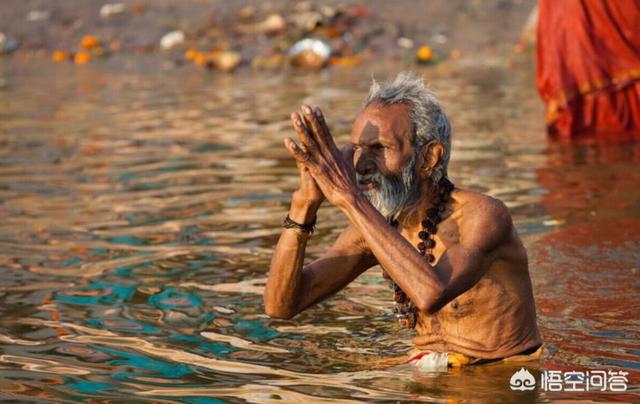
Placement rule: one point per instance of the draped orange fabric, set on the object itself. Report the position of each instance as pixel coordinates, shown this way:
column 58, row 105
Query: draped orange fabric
column 588, row 67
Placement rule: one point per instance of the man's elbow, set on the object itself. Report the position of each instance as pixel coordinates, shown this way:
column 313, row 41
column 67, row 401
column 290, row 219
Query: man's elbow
column 280, row 315
column 279, row 312
column 432, row 303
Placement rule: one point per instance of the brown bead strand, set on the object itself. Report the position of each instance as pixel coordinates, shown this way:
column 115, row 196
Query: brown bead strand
column 405, row 310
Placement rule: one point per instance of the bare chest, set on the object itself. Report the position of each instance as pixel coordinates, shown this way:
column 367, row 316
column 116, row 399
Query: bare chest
column 477, row 306
column 446, row 236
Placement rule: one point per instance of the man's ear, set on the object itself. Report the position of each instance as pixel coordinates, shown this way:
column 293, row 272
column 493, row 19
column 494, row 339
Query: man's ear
column 431, row 155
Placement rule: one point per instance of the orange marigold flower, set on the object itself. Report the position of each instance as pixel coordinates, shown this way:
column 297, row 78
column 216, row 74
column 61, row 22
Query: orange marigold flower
column 60, row 56
column 89, row 41
column 424, row 54
column 201, row 59
column 82, row 57
column 190, row 54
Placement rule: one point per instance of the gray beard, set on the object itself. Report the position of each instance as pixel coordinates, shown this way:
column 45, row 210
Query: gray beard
column 393, row 193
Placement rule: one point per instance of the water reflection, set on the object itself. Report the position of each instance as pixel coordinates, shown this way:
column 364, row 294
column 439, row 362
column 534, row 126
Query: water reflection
column 140, row 207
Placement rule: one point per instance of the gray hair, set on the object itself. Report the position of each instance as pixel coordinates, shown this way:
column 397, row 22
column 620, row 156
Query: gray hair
column 428, row 120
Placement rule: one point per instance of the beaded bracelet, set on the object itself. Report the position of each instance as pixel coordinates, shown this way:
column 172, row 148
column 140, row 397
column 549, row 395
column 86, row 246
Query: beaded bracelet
column 305, row 228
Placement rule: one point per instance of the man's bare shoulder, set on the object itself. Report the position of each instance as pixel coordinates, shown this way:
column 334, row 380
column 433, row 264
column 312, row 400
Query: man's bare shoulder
column 481, row 204
column 481, row 215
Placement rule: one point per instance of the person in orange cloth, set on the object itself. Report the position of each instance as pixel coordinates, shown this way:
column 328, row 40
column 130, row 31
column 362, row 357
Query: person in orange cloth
column 588, row 68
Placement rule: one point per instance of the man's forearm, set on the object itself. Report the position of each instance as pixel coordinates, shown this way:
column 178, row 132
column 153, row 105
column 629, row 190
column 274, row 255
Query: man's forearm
column 395, row 254
column 282, row 293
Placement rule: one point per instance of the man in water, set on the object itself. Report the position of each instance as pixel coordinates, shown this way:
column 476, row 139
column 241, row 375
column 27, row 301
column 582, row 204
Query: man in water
column 454, row 259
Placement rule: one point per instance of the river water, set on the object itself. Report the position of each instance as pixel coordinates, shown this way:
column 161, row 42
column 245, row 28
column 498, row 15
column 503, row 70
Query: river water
column 141, row 203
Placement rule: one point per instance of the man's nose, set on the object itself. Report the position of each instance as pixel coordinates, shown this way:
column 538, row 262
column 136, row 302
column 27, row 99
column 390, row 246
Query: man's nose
column 364, row 165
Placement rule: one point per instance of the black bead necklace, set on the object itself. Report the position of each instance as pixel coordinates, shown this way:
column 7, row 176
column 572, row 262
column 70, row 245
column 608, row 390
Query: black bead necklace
column 405, row 310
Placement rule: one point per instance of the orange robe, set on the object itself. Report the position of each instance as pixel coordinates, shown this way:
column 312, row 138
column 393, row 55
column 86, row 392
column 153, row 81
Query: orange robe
column 588, row 67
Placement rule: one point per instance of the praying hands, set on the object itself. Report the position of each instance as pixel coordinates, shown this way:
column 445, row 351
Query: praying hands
column 331, row 168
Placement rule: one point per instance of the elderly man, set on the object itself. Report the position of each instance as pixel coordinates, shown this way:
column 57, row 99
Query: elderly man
column 454, row 260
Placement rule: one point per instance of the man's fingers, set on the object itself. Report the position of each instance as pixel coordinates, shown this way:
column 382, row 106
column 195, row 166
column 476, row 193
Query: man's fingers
column 323, row 124
column 295, row 150
column 306, row 139
column 314, row 125
column 320, row 133
column 321, row 119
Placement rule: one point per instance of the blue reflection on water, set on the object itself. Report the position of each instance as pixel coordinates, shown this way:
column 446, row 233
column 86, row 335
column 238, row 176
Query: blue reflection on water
column 219, row 349
column 138, row 362
column 129, row 240
column 202, row 400
column 131, row 326
column 72, row 261
column 86, row 387
column 113, row 294
column 255, row 329
column 171, row 298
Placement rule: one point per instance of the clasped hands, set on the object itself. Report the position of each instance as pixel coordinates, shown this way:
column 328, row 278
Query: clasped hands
column 331, row 168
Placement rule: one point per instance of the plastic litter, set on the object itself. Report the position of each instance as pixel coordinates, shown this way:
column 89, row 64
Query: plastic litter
column 111, row 9
column 7, row 44
column 172, row 39
column 310, row 53
column 38, row 15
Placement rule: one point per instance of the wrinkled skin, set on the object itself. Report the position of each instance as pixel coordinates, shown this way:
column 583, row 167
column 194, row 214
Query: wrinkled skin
column 476, row 299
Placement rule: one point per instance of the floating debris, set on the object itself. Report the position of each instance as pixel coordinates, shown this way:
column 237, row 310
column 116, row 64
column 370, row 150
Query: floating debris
column 268, row 62
column 7, row 44
column 89, row 42
column 202, row 59
column 330, row 12
column 273, row 24
column 247, row 12
column 346, row 61
column 226, row 61
column 138, row 8
column 111, row 9
column 61, row 56
column 440, row 38
column 191, row 54
column 172, row 39
column 307, row 20
column 38, row 15
column 317, row 36
column 425, row 55
column 405, row 43
column 90, row 47
column 310, row 53
column 82, row 57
